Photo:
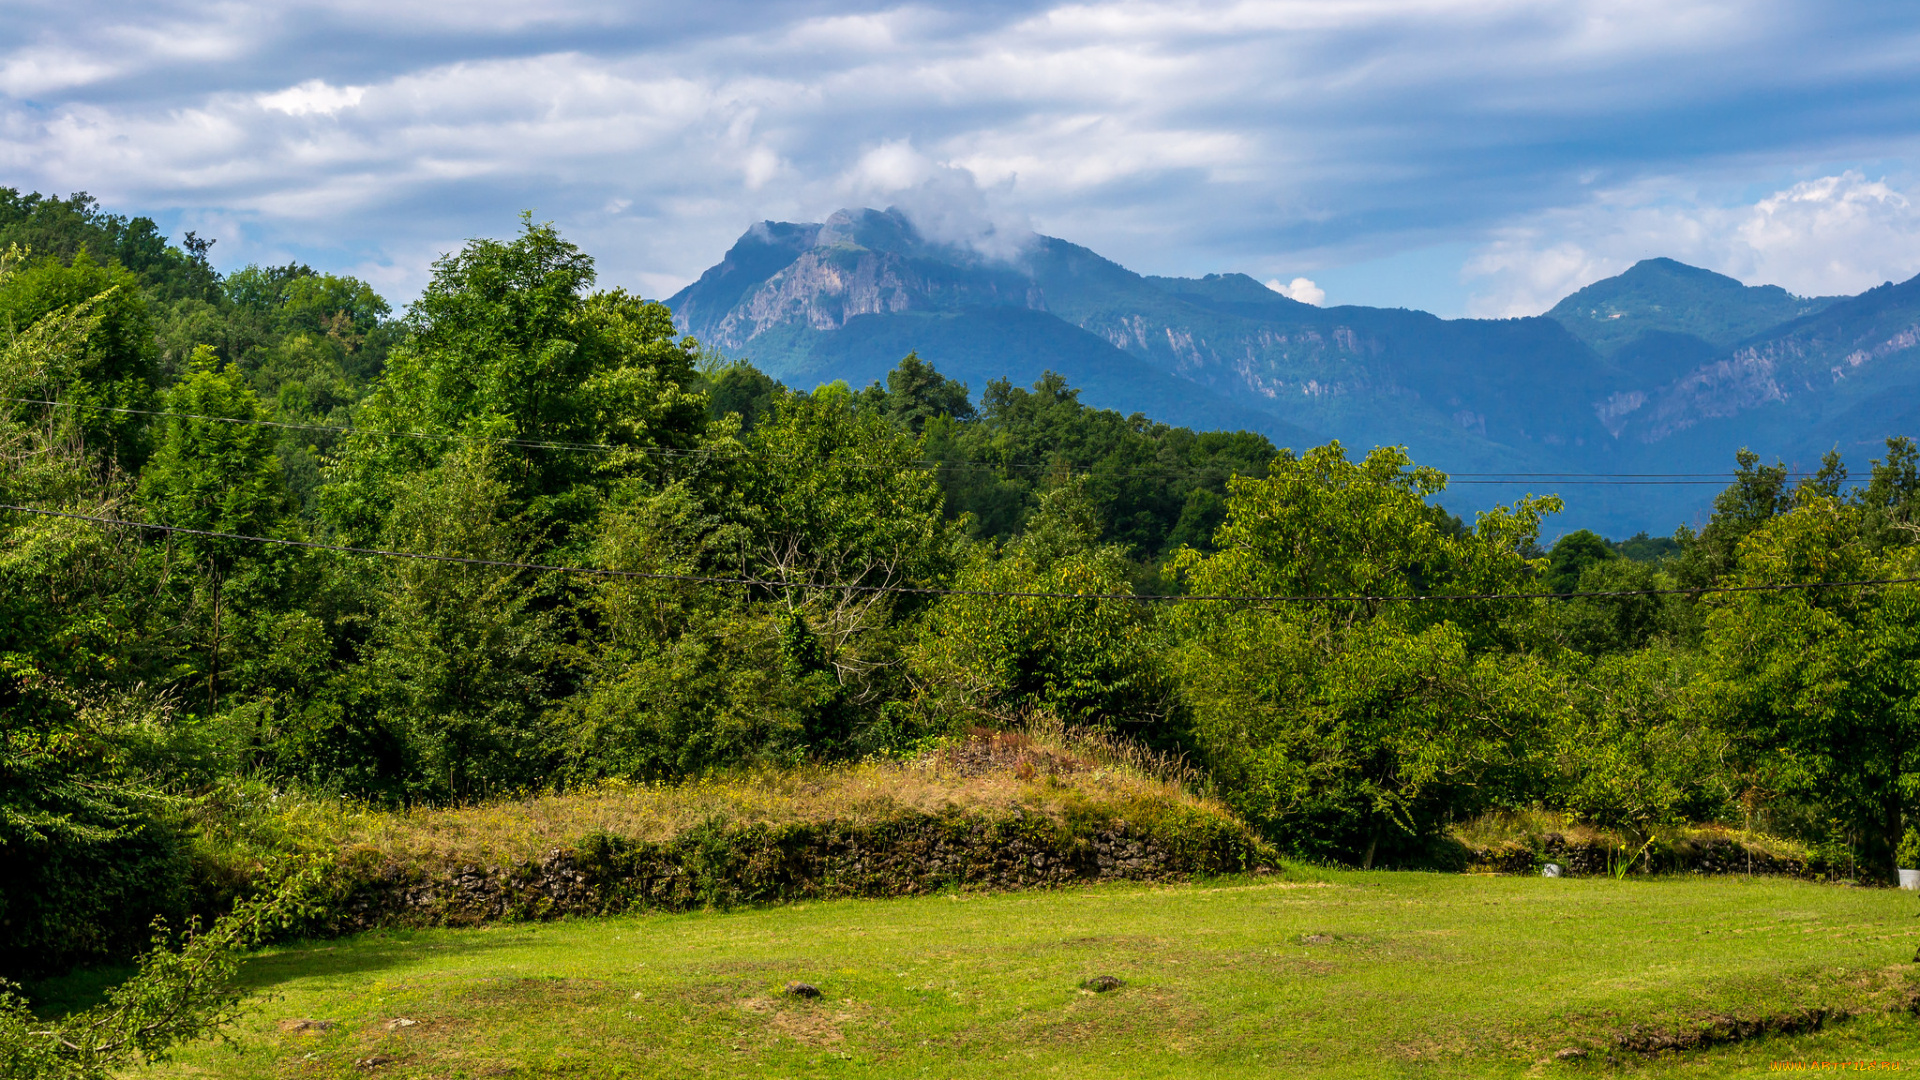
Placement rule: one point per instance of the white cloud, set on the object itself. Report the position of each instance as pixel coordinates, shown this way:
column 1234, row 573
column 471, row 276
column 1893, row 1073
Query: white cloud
column 1832, row 235
column 33, row 71
column 1176, row 136
column 1835, row 234
column 312, row 96
column 1301, row 289
column 890, row 167
column 945, row 202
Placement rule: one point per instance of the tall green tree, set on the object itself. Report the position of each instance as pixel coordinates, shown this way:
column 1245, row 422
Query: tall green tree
column 86, row 857
column 214, row 470
column 1820, row 688
column 1344, row 719
column 508, row 345
column 821, row 503
column 115, row 367
column 916, row 393
column 1758, row 494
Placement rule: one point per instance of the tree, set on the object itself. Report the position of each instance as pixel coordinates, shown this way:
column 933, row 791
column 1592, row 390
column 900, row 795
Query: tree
column 1600, row 625
column 1632, row 750
column 213, row 467
column 1344, row 718
column 916, row 393
column 821, row 502
column 214, row 470
column 507, row 345
column 1570, row 557
column 1157, row 486
column 462, row 662
column 1758, row 494
column 1892, row 497
column 174, row 997
column 1088, row 661
column 115, row 366
column 84, row 858
column 1818, row 687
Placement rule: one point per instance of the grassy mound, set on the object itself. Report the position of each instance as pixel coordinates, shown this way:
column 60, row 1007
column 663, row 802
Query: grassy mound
column 1000, row 811
column 1523, row 842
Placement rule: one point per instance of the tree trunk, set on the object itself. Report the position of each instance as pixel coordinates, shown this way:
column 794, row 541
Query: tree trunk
column 213, row 669
column 1880, row 839
column 1890, row 824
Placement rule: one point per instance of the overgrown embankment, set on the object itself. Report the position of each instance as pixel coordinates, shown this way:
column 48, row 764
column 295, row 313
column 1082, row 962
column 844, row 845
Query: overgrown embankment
column 1524, row 843
column 993, row 813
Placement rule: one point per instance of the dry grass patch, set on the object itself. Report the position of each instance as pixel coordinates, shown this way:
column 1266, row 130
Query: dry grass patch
column 1516, row 841
column 1044, row 770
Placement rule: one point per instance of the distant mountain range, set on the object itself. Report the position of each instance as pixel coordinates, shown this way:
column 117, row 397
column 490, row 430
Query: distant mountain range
column 1664, row 369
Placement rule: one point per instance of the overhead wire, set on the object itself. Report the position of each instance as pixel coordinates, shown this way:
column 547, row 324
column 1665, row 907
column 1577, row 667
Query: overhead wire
column 337, row 428
column 933, row 591
column 1461, row 479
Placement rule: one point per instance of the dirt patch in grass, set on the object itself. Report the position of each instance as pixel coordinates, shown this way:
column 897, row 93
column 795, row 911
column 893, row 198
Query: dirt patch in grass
column 813, row 1024
column 1125, row 1012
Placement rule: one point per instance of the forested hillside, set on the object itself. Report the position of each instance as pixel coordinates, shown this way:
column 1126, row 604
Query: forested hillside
column 263, row 534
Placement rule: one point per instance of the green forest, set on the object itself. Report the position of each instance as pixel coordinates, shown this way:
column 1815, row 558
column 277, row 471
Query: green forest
column 264, row 533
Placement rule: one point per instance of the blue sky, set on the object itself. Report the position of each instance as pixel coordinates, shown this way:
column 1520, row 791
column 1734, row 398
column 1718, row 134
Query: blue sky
column 1465, row 156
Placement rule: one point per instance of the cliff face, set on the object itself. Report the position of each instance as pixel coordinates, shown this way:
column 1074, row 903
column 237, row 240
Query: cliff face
column 826, row 286
column 1665, row 368
column 1863, row 345
column 816, row 277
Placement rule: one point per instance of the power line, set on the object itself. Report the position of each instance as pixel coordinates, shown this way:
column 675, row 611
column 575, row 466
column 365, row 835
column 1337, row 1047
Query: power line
column 1463, row 479
column 336, row 428
column 928, row 591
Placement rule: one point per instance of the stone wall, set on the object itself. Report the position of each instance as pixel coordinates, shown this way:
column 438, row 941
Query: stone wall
column 1581, row 858
column 724, row 864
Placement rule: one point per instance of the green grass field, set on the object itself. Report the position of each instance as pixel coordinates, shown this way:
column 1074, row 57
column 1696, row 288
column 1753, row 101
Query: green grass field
column 1315, row 974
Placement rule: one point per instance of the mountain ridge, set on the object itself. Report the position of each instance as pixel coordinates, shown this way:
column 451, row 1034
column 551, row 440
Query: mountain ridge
column 1663, row 368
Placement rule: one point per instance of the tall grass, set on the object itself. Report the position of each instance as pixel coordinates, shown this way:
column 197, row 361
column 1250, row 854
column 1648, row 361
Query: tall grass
column 1043, row 768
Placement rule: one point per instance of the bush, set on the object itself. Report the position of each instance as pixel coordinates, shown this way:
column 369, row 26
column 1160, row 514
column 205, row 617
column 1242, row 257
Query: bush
column 174, row 997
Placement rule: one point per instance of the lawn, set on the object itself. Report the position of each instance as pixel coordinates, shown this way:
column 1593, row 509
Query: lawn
column 1305, row 973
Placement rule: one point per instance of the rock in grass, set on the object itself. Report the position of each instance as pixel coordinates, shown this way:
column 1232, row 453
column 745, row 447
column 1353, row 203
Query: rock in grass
column 1100, row 984
column 802, row 990
column 1570, row 1054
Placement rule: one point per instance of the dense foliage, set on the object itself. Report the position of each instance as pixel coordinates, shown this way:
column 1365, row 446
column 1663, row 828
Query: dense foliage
column 610, row 554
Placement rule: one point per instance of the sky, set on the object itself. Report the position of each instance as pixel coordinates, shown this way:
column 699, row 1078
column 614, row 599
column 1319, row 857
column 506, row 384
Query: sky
column 1469, row 157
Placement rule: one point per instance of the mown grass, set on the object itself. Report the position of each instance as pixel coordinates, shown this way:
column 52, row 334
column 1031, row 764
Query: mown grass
column 1339, row 974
